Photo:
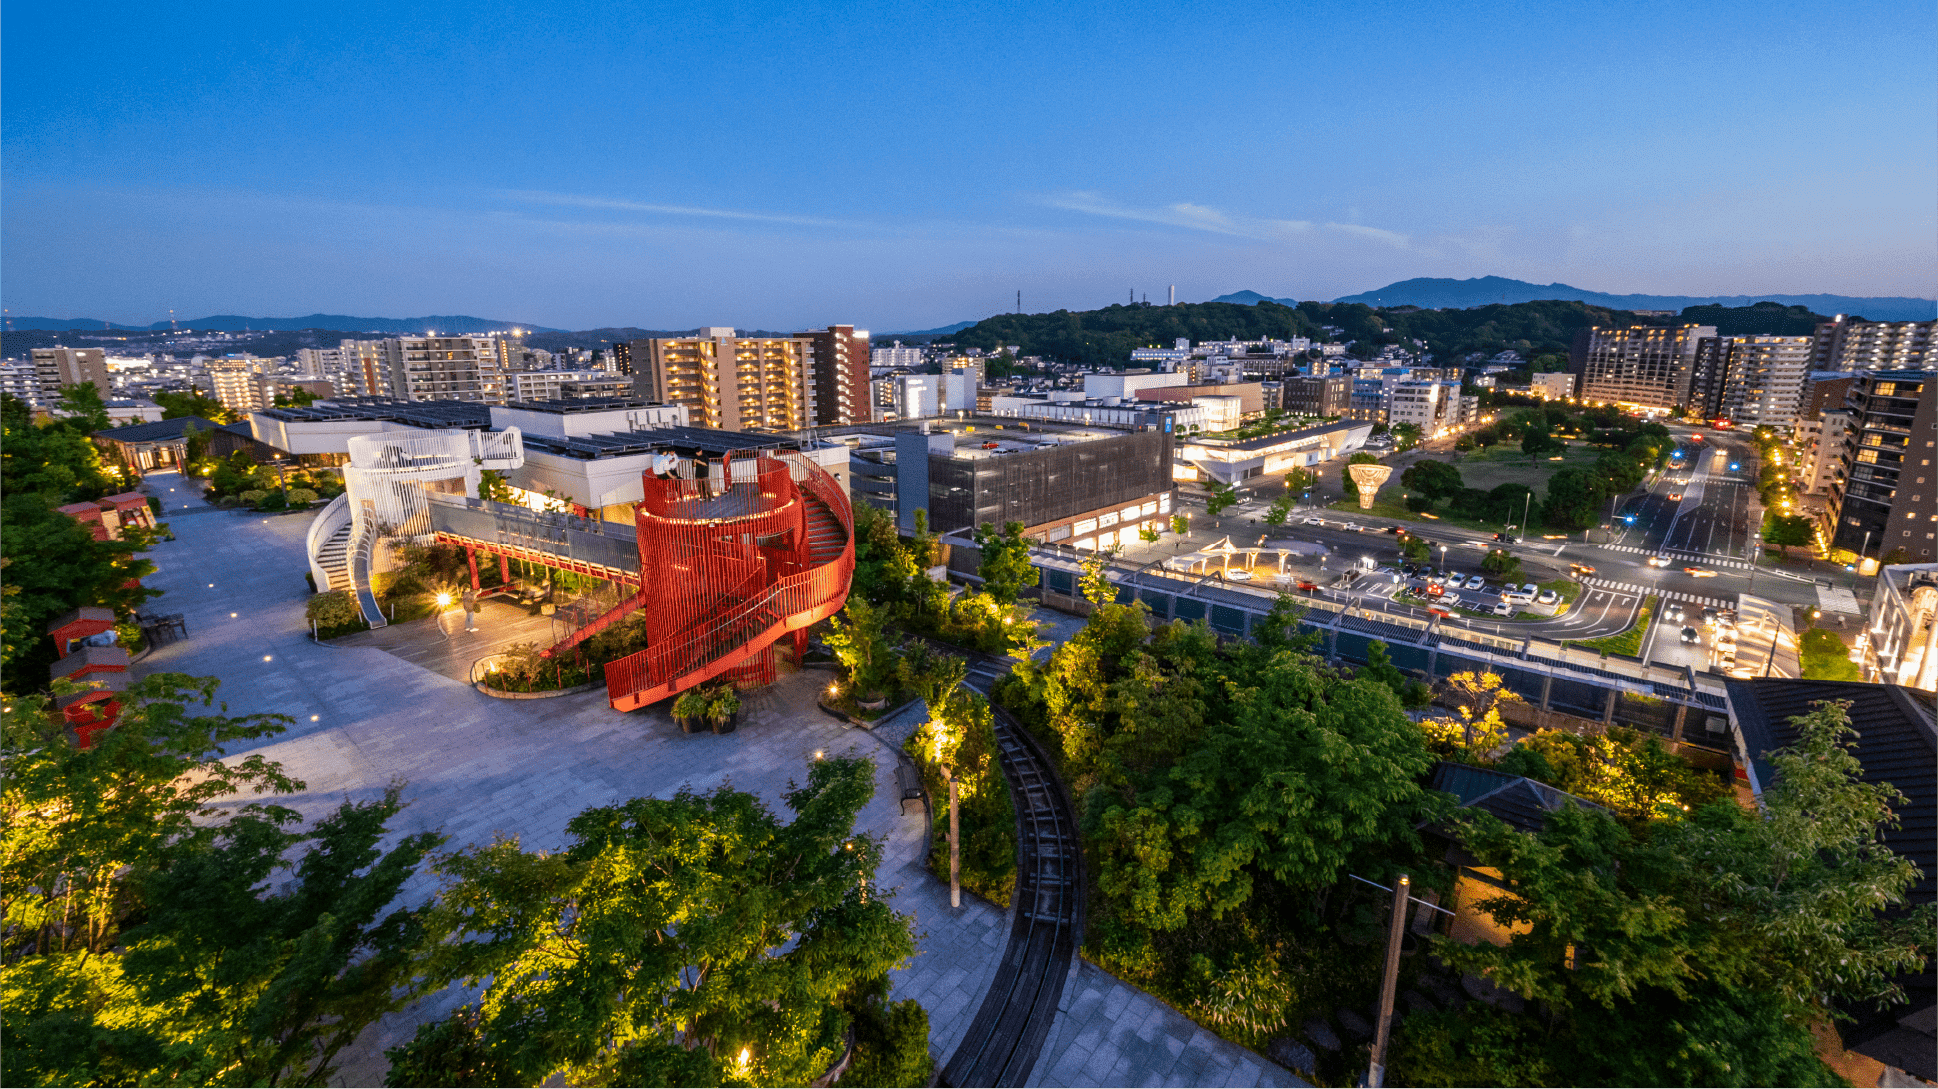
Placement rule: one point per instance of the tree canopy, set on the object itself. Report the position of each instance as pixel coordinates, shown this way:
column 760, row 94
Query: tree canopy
column 691, row 940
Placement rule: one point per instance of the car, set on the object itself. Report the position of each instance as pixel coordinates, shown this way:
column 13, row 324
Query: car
column 1476, row 583
column 1582, row 568
column 1709, row 616
column 1438, row 611
column 1658, row 561
column 1548, row 597
column 1394, row 529
column 1450, row 599
column 1518, row 595
column 1436, row 578
column 1503, row 608
column 1238, row 574
column 1699, row 572
column 1505, row 538
column 1673, row 611
column 1307, row 584
column 1691, row 635
column 1410, row 568
column 1675, row 497
column 1354, row 526
column 1315, row 521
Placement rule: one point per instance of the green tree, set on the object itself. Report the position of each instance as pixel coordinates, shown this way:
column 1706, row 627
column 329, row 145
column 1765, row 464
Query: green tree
column 1539, row 443
column 493, row 486
column 1180, row 524
column 1301, row 480
column 144, row 950
column 1620, row 471
column 1279, row 511
column 1704, row 925
column 1406, row 436
column 1221, row 499
column 691, row 940
column 1005, row 568
column 82, row 403
column 1434, row 479
column 858, row 641
column 1575, row 498
column 176, row 404
column 1501, row 564
column 1792, row 530
column 1379, row 666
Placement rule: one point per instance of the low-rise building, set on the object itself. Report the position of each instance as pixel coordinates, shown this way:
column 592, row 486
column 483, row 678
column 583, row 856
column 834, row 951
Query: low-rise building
column 1552, row 386
column 1268, row 455
column 1331, row 395
column 1901, row 634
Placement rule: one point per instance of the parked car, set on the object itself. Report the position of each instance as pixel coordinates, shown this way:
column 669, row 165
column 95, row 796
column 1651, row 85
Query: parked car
column 1691, row 635
column 1548, row 597
column 1476, row 583
column 1449, row 599
column 1238, row 574
column 1503, row 608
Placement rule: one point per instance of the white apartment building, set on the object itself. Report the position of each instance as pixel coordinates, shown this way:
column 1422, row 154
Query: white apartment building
column 238, row 382
column 1553, row 386
column 1845, row 345
column 1821, row 446
column 566, row 385
column 436, row 368
column 21, row 381
column 895, row 355
column 1422, row 404
column 1765, row 379
column 916, row 396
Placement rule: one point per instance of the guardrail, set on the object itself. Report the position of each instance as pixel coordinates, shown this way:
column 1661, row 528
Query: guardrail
column 323, row 527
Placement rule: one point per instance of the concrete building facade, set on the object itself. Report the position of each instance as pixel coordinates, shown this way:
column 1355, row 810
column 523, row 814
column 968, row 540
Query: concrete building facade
column 1846, row 344
column 841, row 358
column 1645, row 366
column 1888, row 500
column 57, row 367
column 728, row 381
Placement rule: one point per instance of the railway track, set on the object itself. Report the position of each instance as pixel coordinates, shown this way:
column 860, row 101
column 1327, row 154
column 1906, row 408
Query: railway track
column 1003, row 1042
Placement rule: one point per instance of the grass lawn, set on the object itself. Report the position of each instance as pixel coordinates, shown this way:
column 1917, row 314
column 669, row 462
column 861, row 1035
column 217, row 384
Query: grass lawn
column 1486, row 470
column 1826, row 658
column 1628, row 643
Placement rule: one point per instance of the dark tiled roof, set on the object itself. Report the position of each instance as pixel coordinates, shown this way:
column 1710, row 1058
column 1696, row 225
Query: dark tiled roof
column 692, row 441
column 159, row 430
column 1522, row 803
column 1897, row 743
column 432, row 414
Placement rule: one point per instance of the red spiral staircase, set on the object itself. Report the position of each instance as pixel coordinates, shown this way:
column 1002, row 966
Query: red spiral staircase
column 726, row 571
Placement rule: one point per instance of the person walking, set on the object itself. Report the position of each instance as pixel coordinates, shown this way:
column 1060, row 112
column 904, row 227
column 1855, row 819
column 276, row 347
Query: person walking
column 470, row 600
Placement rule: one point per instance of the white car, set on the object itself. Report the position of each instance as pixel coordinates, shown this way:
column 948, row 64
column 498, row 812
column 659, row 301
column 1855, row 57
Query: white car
column 1476, row 583
column 1658, row 561
column 1548, row 597
column 1354, row 526
column 1505, row 608
column 1315, row 521
column 1447, row 599
column 1238, row 574
column 1519, row 595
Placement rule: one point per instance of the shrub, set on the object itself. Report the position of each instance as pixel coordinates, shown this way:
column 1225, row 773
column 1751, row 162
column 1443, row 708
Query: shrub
column 301, row 497
column 334, row 612
column 891, row 1042
column 724, row 704
column 253, row 496
column 691, row 703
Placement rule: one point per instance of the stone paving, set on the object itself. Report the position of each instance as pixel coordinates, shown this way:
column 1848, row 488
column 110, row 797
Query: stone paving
column 479, row 767
column 1108, row 1032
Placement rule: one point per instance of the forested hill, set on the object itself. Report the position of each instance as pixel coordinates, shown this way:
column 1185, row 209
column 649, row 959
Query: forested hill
column 1105, row 338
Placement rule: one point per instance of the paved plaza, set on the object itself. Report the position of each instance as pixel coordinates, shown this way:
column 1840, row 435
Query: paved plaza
column 478, row 767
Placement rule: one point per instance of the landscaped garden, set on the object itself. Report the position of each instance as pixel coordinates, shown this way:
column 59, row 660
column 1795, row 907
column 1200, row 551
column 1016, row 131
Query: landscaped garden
column 239, row 481
column 1235, row 798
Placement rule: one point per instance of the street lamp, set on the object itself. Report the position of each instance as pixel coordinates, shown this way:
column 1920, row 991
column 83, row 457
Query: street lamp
column 279, row 479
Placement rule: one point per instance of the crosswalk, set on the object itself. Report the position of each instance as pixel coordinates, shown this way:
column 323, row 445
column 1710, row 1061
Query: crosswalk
column 1666, row 595
column 1705, row 560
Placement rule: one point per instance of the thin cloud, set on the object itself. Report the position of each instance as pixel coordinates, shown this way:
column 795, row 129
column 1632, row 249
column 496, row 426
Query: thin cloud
column 571, row 200
column 1199, row 217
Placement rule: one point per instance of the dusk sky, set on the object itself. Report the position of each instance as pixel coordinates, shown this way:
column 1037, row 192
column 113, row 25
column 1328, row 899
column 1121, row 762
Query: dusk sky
column 901, row 166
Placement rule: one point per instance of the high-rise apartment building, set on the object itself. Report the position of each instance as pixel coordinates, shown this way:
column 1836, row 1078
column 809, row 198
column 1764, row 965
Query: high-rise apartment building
column 1647, row 366
column 729, row 382
column 1553, row 385
column 840, row 368
column 895, row 355
column 436, row 368
column 20, row 381
column 1844, row 344
column 238, row 382
column 1888, row 499
column 57, row 367
column 1764, row 379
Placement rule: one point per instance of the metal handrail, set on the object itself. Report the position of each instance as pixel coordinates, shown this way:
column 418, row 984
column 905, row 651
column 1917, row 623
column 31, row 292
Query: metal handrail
column 331, row 518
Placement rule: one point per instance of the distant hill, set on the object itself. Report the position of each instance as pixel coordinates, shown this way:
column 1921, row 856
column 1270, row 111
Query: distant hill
column 941, row 332
column 459, row 324
column 1437, row 294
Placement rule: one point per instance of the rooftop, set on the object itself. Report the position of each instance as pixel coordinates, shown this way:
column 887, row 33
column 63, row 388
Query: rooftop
column 1289, row 438
column 433, row 414
column 699, row 442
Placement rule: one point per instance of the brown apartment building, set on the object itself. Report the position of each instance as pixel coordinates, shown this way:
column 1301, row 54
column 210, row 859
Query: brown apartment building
column 729, row 382
column 840, row 371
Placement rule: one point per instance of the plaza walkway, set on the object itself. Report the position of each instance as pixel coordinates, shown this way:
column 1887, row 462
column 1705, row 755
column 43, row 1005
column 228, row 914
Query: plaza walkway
column 478, row 766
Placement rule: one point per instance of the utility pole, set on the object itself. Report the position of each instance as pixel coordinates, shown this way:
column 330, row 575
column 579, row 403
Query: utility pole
column 1389, row 982
column 955, row 840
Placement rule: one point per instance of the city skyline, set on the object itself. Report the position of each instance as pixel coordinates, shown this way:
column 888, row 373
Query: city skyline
column 906, row 168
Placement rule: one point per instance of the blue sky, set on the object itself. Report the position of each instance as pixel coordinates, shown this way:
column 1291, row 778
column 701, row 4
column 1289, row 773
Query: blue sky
column 902, row 166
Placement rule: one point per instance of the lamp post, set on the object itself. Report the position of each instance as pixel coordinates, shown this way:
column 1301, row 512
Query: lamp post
column 279, row 479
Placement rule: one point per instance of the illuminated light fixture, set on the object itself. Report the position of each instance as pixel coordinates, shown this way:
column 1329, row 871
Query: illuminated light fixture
column 266, row 657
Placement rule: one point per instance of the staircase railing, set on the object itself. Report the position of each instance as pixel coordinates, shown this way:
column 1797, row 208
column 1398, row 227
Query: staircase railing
column 323, row 527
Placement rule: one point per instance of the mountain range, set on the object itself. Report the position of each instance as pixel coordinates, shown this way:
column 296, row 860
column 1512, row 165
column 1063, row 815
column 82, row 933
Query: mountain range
column 1431, row 293
column 457, row 324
